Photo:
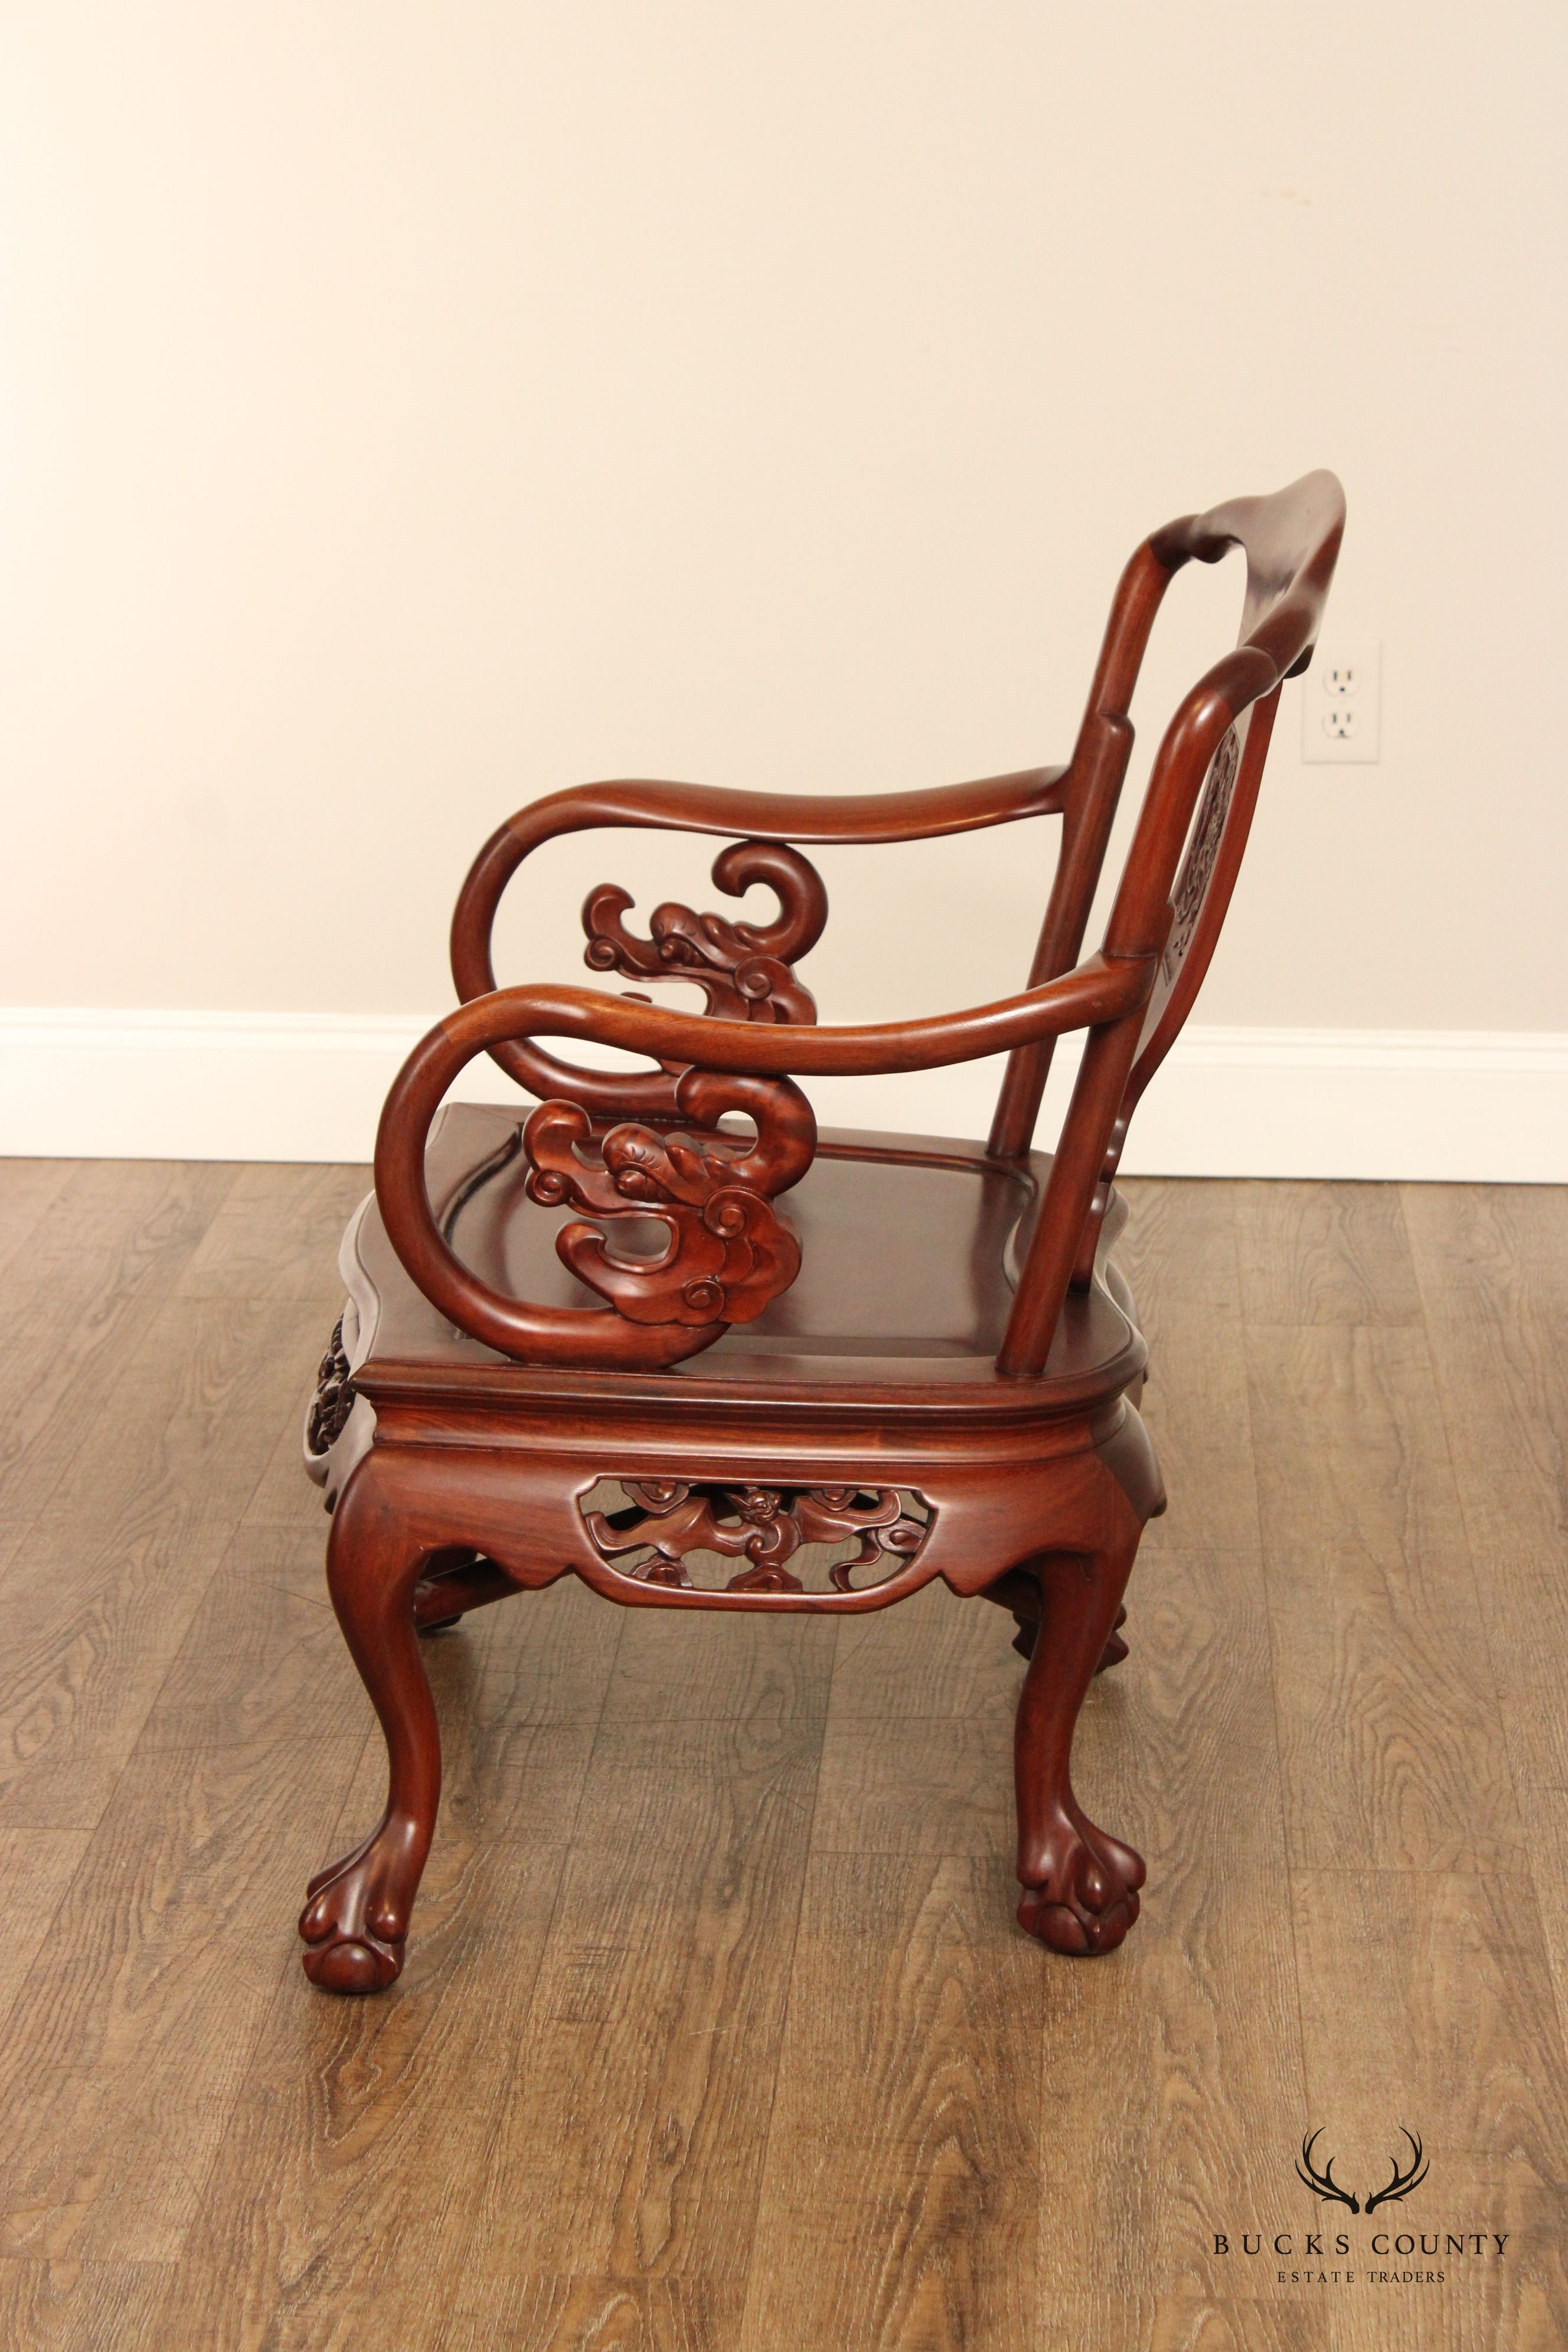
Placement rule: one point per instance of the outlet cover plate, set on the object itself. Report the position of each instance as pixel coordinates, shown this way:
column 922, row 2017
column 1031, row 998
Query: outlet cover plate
column 1341, row 703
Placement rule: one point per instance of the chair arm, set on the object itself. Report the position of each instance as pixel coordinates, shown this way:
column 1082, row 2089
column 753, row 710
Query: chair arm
column 729, row 1255
column 742, row 967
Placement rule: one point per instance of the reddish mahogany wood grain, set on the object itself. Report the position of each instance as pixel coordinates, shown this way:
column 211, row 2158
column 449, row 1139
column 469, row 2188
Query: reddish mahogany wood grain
column 806, row 1335
column 758, row 818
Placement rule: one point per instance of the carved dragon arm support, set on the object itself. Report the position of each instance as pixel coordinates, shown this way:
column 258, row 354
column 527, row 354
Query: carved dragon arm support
column 728, row 1254
column 742, row 969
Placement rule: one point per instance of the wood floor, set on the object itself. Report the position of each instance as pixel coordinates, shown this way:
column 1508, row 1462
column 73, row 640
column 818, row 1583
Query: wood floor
column 716, row 2035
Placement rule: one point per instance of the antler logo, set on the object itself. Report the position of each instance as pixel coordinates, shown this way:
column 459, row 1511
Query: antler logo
column 1402, row 2182
column 1323, row 2184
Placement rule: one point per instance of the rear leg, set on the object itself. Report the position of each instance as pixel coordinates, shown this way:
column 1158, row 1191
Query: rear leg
column 1018, row 1592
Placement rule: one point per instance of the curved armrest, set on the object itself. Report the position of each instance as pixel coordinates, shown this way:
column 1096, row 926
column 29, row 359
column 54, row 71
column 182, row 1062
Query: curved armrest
column 755, row 820
column 728, row 1254
column 1100, row 989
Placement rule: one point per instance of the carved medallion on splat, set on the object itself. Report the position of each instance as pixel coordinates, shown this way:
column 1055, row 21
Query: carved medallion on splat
column 742, row 969
column 793, row 1538
column 1197, row 866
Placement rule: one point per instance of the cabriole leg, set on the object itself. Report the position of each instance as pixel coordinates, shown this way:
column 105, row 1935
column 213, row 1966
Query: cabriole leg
column 1080, row 1886
column 357, row 1910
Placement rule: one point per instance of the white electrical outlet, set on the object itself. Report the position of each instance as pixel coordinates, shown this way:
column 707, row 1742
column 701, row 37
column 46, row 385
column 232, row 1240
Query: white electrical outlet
column 1341, row 702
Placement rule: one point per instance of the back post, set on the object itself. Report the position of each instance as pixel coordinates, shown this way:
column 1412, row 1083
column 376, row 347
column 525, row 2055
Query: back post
column 1092, row 788
column 1164, row 919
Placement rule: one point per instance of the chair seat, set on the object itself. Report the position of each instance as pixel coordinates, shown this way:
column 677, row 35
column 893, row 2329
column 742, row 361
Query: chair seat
column 909, row 1247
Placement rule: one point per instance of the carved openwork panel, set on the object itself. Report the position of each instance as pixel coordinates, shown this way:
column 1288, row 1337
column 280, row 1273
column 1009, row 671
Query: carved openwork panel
column 1203, row 849
column 792, row 1538
column 727, row 1253
column 334, row 1398
column 742, row 969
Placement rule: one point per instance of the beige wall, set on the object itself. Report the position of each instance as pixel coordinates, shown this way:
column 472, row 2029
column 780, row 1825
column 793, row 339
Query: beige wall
column 408, row 409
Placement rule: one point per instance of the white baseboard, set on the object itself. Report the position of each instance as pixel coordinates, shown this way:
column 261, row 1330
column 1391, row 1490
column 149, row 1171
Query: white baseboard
column 1466, row 1106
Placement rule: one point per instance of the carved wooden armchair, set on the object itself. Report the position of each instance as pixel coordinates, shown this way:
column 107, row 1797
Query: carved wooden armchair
column 694, row 1366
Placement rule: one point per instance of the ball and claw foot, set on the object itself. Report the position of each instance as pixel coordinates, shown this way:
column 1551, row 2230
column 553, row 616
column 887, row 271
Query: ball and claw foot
column 354, row 1924
column 1084, row 1897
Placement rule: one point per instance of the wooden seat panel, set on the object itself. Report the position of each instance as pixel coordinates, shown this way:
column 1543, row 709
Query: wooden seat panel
column 907, row 1245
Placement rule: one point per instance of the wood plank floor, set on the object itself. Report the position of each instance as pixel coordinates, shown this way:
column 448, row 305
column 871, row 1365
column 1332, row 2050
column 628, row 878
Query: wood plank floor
column 717, row 2034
